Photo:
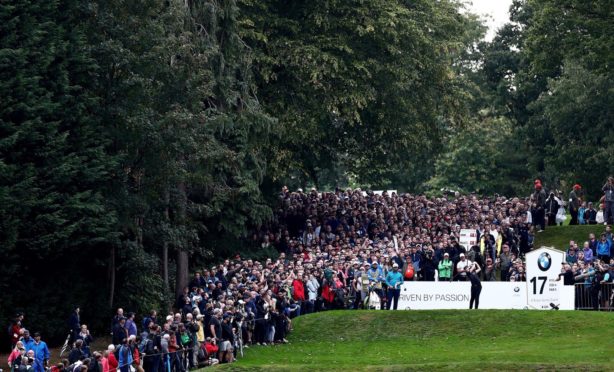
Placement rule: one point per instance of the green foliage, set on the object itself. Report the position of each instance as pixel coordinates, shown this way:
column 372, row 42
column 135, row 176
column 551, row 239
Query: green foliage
column 53, row 166
column 551, row 71
column 577, row 111
column 361, row 84
column 129, row 129
column 124, row 125
column 480, row 159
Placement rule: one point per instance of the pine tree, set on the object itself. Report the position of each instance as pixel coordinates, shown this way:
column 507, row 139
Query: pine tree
column 52, row 160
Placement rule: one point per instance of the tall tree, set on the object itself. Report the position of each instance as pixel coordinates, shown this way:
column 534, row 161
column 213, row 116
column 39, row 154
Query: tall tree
column 549, row 41
column 364, row 84
column 187, row 129
column 53, row 166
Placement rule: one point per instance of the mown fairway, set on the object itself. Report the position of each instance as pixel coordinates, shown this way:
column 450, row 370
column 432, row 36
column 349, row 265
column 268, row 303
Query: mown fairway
column 441, row 340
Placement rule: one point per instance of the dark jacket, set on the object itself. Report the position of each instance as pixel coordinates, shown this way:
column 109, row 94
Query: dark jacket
column 119, row 333
column 94, row 366
column 590, row 216
column 227, row 334
column 609, row 192
column 568, row 277
column 539, row 197
column 574, row 201
column 75, row 355
column 74, row 323
column 552, row 206
column 475, row 280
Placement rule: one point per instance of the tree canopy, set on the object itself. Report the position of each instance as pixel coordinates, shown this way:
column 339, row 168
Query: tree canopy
column 141, row 139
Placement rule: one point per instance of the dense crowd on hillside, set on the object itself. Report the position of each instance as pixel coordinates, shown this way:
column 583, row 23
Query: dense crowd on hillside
column 334, row 250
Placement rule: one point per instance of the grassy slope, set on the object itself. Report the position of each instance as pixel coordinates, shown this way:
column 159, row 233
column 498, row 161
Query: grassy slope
column 441, row 340
column 559, row 236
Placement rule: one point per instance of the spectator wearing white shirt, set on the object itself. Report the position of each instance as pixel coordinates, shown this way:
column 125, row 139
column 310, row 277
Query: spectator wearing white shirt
column 461, row 268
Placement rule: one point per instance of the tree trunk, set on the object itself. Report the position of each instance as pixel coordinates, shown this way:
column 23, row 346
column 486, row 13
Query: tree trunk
column 182, row 271
column 182, row 255
column 111, row 277
column 167, row 289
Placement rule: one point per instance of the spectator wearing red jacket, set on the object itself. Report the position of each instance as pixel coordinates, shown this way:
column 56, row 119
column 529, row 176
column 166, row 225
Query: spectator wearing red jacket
column 109, row 362
column 211, row 349
column 298, row 292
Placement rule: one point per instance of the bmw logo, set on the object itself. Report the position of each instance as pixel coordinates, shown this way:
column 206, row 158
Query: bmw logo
column 544, row 261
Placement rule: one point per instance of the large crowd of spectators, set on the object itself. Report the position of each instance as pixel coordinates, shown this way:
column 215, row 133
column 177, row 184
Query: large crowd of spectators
column 335, row 249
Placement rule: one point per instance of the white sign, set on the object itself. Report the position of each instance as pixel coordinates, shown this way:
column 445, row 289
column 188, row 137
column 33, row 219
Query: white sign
column 543, row 268
column 468, row 238
column 456, row 295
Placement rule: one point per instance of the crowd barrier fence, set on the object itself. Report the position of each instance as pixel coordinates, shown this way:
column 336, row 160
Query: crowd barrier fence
column 594, row 297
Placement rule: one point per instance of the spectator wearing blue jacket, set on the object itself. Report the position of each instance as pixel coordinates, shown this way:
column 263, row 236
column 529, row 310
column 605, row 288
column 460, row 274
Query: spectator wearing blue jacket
column 41, row 353
column 125, row 357
column 603, row 249
column 394, row 279
column 27, row 340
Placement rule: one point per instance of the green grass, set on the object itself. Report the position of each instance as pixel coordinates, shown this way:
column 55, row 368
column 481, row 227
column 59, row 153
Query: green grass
column 559, row 236
column 441, row 340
